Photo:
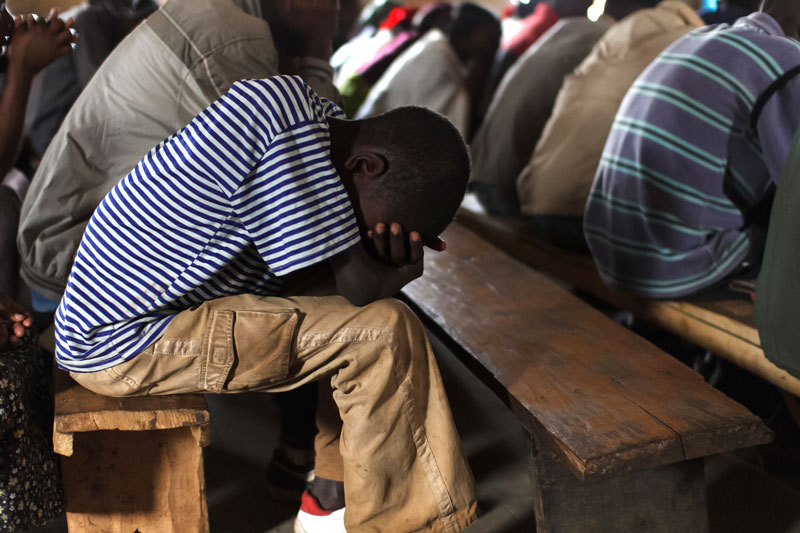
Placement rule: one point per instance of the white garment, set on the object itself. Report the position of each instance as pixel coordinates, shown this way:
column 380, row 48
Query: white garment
column 428, row 74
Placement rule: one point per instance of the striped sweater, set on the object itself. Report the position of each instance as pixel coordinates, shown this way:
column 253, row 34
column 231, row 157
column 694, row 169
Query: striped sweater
column 696, row 143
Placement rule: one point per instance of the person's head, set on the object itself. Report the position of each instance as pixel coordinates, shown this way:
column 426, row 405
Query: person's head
column 619, row 9
column 474, row 33
column 429, row 16
column 787, row 13
column 408, row 165
column 570, row 8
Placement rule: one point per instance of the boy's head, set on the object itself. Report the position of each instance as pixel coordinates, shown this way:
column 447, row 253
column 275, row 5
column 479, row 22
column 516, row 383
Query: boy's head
column 408, row 165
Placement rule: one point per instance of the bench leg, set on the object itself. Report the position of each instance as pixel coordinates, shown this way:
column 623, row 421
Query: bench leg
column 125, row 481
column 665, row 499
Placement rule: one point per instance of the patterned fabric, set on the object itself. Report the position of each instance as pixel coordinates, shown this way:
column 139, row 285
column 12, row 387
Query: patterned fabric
column 30, row 475
column 683, row 164
column 244, row 194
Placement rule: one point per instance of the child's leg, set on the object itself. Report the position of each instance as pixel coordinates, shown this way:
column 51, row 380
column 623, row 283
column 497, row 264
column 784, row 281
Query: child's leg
column 403, row 466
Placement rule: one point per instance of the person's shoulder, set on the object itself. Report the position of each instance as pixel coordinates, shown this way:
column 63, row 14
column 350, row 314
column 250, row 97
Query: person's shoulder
column 210, row 25
column 287, row 96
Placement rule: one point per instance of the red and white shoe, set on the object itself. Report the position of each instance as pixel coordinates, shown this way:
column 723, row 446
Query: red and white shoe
column 314, row 519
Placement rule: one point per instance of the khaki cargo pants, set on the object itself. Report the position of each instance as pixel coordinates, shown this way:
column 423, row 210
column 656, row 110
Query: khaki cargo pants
column 401, row 459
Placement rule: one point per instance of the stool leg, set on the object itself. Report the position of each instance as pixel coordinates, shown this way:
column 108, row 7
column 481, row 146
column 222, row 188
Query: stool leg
column 665, row 499
column 124, row 481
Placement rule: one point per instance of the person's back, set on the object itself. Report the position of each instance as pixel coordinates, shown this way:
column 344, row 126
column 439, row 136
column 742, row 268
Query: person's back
column 440, row 71
column 521, row 106
column 102, row 26
column 430, row 63
column 557, row 179
column 682, row 193
column 778, row 284
column 165, row 72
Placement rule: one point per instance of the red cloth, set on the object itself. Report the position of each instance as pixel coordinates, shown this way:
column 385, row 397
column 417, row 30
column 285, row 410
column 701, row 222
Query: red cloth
column 396, row 16
column 531, row 28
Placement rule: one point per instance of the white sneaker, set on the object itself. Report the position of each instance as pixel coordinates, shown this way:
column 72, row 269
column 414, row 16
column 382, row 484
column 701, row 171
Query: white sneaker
column 311, row 518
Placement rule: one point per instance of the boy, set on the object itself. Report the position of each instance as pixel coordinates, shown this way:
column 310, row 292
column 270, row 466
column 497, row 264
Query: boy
column 173, row 287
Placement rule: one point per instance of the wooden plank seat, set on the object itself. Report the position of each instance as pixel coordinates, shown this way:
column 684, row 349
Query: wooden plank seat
column 131, row 464
column 619, row 428
column 725, row 328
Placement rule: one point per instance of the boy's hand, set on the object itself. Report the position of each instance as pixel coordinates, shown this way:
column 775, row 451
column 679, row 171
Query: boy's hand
column 37, row 42
column 14, row 322
column 394, row 245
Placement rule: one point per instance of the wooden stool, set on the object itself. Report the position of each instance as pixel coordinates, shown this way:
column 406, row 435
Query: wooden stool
column 131, row 464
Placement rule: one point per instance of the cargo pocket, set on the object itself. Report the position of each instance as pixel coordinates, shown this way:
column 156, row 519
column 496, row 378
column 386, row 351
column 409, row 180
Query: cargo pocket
column 250, row 350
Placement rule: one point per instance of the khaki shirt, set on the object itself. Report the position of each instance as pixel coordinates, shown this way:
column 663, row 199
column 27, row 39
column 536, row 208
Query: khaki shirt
column 171, row 67
column 522, row 104
column 562, row 168
column 428, row 74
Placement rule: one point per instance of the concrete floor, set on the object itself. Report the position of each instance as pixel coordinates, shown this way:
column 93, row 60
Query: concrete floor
column 746, row 492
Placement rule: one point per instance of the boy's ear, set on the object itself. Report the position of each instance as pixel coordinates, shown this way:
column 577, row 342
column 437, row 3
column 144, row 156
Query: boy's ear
column 367, row 164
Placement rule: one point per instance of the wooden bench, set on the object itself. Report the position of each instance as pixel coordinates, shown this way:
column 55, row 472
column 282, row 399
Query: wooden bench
column 619, row 428
column 725, row 328
column 131, row 464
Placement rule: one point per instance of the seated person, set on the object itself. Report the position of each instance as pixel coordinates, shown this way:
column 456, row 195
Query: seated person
column 528, row 31
column 28, row 46
column 553, row 187
column 148, row 88
column 175, row 285
column 441, row 72
column 523, row 102
column 729, row 11
column 354, row 90
column 29, row 471
column 778, row 284
column 363, row 47
column 681, row 200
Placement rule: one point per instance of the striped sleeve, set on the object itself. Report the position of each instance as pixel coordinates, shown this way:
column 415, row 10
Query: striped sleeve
column 294, row 206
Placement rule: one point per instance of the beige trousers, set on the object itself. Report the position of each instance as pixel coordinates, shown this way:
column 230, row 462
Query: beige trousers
column 401, row 458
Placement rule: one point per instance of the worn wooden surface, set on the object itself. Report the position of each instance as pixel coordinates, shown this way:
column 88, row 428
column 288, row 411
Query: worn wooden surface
column 724, row 328
column 79, row 410
column 659, row 500
column 146, row 481
column 610, row 401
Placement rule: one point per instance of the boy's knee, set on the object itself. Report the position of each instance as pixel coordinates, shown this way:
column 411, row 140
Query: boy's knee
column 396, row 316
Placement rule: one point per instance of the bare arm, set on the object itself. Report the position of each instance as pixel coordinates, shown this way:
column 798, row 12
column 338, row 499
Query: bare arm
column 34, row 45
column 382, row 266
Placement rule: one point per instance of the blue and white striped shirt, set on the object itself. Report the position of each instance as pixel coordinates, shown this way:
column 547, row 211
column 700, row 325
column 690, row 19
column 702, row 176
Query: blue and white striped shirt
column 242, row 195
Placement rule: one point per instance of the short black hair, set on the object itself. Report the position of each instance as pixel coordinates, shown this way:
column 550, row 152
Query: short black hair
column 469, row 17
column 428, row 166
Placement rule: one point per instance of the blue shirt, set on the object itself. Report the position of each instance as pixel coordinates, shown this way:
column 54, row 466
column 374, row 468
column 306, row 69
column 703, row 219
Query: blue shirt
column 244, row 194
column 697, row 142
